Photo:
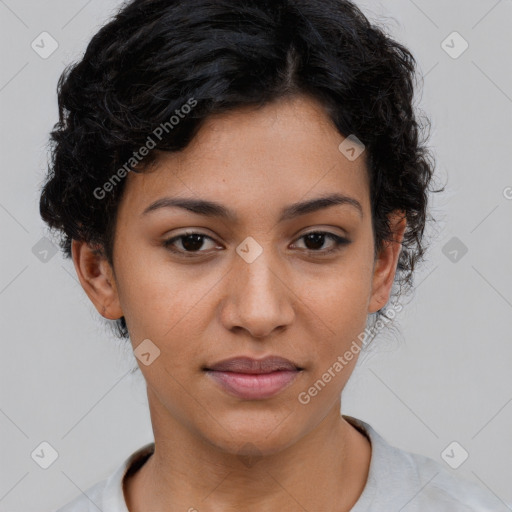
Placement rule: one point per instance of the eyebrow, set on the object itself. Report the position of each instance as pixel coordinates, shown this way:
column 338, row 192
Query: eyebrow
column 213, row 209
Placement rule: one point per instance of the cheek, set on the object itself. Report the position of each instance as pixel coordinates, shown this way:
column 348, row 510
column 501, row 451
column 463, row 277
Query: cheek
column 335, row 309
column 154, row 297
column 339, row 295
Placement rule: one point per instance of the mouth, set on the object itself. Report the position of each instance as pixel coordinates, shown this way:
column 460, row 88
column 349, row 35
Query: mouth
column 254, row 379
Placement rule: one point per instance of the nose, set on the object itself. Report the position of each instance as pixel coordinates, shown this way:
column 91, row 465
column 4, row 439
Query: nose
column 258, row 297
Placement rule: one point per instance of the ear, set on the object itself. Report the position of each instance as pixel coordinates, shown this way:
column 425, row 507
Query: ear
column 384, row 269
column 97, row 279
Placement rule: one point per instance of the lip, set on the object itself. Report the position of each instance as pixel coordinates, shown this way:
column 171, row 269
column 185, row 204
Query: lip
column 250, row 365
column 254, row 379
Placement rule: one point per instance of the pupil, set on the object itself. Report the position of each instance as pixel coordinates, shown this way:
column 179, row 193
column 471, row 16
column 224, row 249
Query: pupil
column 317, row 239
column 197, row 242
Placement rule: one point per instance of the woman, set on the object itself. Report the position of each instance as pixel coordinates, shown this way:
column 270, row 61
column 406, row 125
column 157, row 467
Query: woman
column 240, row 185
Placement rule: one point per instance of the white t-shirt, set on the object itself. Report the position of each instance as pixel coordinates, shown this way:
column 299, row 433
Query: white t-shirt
column 397, row 481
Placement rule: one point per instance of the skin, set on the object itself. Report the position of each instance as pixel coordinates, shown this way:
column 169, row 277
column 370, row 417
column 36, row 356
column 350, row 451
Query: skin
column 289, row 302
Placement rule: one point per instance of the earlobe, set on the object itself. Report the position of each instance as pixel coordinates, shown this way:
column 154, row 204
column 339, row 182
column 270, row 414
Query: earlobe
column 97, row 279
column 386, row 263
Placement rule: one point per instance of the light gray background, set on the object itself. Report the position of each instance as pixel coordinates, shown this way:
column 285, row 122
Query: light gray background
column 446, row 378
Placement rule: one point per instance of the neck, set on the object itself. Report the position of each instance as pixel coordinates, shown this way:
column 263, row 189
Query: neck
column 186, row 472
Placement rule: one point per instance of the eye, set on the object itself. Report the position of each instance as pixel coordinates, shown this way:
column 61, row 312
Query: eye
column 314, row 241
column 190, row 242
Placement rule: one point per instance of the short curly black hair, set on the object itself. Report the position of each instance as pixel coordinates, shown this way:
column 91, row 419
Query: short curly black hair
column 156, row 56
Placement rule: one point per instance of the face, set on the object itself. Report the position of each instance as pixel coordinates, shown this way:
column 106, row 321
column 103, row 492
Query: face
column 266, row 278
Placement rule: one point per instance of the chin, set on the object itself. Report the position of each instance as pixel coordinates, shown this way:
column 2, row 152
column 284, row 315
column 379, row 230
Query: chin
column 254, row 435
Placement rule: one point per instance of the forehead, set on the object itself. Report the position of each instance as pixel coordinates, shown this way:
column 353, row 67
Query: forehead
column 278, row 154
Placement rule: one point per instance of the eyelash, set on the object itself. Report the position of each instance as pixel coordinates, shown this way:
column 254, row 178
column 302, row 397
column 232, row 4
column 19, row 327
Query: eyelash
column 339, row 242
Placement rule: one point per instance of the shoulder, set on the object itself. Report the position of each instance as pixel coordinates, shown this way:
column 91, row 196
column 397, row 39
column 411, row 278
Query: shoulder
column 435, row 485
column 107, row 495
column 89, row 501
column 401, row 480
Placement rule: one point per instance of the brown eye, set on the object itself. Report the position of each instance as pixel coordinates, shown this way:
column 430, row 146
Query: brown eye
column 190, row 243
column 315, row 240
